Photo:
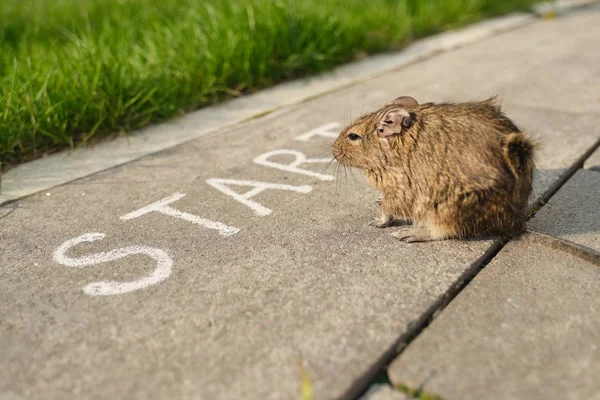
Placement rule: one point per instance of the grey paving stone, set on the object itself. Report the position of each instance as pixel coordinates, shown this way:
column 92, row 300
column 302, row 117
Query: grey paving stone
column 573, row 213
column 593, row 163
column 526, row 327
column 308, row 282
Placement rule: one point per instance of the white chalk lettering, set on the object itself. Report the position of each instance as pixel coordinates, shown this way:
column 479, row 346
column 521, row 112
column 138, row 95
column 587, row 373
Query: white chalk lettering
column 324, row 131
column 164, row 263
column 162, row 206
column 300, row 159
column 223, row 186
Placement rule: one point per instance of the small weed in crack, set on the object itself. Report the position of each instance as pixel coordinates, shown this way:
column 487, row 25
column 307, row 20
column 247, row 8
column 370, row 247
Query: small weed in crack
column 418, row 393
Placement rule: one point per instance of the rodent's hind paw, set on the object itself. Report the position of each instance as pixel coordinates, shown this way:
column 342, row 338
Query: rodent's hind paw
column 412, row 235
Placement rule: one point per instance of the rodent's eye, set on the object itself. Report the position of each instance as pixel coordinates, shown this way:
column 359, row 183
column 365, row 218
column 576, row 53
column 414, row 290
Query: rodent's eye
column 353, row 136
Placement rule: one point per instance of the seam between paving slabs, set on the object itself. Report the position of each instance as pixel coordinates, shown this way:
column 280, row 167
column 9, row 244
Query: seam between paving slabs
column 415, row 328
column 576, row 250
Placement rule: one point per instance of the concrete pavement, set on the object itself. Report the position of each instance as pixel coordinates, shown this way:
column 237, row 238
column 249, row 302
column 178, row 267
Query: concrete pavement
column 215, row 269
column 525, row 328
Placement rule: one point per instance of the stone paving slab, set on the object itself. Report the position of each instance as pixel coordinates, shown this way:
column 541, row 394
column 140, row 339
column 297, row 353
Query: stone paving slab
column 573, row 213
column 219, row 295
column 526, row 327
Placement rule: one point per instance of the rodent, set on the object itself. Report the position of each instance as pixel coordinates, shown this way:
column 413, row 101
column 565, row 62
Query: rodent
column 455, row 170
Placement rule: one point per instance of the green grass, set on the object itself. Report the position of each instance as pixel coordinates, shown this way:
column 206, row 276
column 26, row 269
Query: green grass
column 72, row 71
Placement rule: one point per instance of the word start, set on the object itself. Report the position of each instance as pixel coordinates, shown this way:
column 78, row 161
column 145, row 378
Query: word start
column 162, row 258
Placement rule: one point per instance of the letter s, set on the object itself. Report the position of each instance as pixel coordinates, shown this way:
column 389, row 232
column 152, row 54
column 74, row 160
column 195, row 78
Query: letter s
column 164, row 263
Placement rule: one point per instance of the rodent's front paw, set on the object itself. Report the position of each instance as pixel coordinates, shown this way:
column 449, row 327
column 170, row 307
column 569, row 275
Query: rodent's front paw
column 379, row 223
column 412, row 234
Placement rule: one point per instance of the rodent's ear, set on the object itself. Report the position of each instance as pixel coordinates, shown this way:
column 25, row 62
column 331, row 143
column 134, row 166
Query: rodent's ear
column 405, row 101
column 393, row 122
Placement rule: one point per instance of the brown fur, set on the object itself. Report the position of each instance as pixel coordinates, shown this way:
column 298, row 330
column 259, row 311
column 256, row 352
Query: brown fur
column 454, row 170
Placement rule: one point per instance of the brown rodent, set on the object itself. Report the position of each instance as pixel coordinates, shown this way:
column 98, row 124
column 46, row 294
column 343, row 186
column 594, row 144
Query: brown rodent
column 453, row 170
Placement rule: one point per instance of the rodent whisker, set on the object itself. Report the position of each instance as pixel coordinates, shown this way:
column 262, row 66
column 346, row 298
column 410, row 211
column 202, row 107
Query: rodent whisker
column 346, row 180
column 325, row 155
column 324, row 141
column 336, row 173
column 354, row 182
column 343, row 180
column 324, row 169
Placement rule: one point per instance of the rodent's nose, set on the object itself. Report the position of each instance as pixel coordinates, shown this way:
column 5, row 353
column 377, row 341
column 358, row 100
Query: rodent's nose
column 335, row 152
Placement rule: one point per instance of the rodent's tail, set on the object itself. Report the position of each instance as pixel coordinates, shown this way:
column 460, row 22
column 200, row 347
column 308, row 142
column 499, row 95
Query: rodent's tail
column 519, row 152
